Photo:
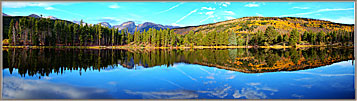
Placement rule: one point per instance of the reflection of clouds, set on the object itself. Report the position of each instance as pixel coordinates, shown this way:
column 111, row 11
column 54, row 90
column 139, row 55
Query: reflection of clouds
column 206, row 71
column 210, row 77
column 298, row 96
column 219, row 92
column 301, row 79
column 209, row 82
column 173, row 83
column 17, row 88
column 253, row 84
column 231, row 77
column 320, row 74
column 229, row 72
column 266, row 88
column 47, row 78
column 340, row 85
column 112, row 83
column 179, row 94
column 249, row 94
column 189, row 76
column 344, row 64
column 306, row 86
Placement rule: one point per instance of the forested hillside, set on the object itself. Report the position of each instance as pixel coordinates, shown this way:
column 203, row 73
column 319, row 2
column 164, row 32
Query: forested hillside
column 246, row 31
column 272, row 30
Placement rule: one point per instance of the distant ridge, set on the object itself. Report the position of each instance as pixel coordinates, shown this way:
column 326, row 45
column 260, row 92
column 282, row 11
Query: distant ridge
column 282, row 24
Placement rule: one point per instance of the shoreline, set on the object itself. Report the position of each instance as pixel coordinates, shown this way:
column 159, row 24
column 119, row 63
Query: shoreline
column 180, row 47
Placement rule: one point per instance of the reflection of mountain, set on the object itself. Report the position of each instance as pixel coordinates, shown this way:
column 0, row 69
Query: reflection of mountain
column 46, row 61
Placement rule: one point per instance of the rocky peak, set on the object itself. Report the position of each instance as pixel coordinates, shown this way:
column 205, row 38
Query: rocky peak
column 34, row 15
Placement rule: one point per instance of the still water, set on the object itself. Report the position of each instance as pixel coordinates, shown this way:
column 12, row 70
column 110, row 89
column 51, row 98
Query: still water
column 313, row 73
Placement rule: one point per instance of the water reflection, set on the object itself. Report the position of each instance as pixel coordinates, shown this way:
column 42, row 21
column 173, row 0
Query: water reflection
column 179, row 74
column 14, row 87
column 179, row 94
column 47, row 61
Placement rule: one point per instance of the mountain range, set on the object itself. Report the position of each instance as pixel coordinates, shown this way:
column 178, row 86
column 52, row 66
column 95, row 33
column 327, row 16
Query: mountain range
column 242, row 25
column 130, row 25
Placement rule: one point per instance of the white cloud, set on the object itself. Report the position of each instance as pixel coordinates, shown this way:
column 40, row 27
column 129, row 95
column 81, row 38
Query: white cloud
column 111, row 20
column 49, row 8
column 338, row 9
column 301, row 7
column 229, row 12
column 251, row 5
column 207, row 8
column 68, row 12
column 258, row 14
column 114, row 6
column 171, row 8
column 184, row 17
column 211, row 16
column 344, row 20
column 174, row 24
column 229, row 17
column 25, row 4
column 320, row 10
column 209, row 13
column 225, row 4
column 45, row 5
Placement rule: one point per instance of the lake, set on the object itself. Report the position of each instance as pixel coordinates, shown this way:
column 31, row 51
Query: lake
column 310, row 73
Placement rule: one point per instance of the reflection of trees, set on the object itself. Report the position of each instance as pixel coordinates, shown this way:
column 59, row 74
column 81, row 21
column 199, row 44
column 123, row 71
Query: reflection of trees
column 46, row 61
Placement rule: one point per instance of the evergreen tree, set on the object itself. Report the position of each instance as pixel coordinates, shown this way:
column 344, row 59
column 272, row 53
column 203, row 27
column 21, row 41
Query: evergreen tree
column 233, row 39
column 271, row 35
column 172, row 38
column 11, row 33
column 321, row 36
column 294, row 37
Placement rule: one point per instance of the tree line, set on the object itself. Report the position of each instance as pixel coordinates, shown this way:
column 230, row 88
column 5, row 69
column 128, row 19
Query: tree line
column 47, row 32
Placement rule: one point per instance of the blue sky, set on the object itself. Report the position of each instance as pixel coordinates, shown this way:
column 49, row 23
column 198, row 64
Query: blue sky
column 181, row 13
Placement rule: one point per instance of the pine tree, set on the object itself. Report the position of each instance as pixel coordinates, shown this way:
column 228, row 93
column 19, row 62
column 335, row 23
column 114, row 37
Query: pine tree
column 321, row 36
column 172, row 38
column 99, row 33
column 11, row 33
column 294, row 37
column 113, row 33
column 232, row 39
